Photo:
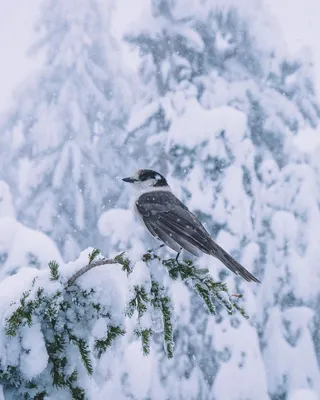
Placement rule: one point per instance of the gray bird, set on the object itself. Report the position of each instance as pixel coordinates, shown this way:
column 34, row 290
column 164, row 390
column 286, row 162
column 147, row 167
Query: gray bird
column 170, row 221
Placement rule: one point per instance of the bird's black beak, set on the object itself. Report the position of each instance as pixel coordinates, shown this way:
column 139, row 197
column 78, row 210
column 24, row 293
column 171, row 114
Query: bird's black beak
column 129, row 180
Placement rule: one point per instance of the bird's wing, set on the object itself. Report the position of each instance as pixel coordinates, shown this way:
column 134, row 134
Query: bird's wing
column 169, row 220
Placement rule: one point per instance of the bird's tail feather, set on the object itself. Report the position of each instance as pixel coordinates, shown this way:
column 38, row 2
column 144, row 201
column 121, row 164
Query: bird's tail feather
column 232, row 264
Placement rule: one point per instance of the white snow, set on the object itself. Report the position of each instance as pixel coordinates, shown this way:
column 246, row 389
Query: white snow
column 269, row 171
column 140, row 369
column 243, row 363
column 21, row 246
column 296, row 366
column 272, row 224
column 118, row 225
column 140, row 115
column 192, row 39
column 181, row 302
column 307, row 139
column 28, row 349
column 11, row 289
column 140, row 275
column 223, row 42
column 15, row 65
column 198, row 125
column 303, row 394
column 34, row 359
column 6, row 201
column 107, row 281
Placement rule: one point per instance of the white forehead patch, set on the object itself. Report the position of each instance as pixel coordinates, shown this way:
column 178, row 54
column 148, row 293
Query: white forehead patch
column 136, row 174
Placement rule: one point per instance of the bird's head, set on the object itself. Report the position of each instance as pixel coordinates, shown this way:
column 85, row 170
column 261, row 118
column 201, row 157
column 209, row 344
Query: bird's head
column 145, row 179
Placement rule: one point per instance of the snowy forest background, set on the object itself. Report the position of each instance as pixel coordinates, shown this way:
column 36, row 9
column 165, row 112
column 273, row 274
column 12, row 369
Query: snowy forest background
column 207, row 93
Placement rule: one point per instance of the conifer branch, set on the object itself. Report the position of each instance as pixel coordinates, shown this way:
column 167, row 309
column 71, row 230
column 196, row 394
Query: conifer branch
column 163, row 303
column 82, row 271
column 145, row 335
column 119, row 259
column 101, row 345
column 54, row 270
column 203, row 284
column 59, row 311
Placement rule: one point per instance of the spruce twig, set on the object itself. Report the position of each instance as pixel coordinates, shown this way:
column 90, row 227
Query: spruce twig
column 60, row 311
column 101, row 345
column 119, row 259
column 84, row 353
column 162, row 302
column 145, row 335
column 103, row 261
column 93, row 255
column 203, row 284
column 54, row 270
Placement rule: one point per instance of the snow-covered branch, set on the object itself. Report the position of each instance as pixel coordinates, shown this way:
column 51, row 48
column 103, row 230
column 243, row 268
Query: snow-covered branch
column 90, row 265
column 70, row 325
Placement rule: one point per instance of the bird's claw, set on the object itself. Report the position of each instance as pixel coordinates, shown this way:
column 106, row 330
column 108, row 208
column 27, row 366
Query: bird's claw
column 178, row 255
column 156, row 248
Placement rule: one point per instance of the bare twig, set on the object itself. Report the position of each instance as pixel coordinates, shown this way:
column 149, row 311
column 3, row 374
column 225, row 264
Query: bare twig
column 87, row 268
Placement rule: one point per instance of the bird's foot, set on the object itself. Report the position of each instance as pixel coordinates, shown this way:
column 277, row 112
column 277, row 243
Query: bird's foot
column 150, row 254
column 178, row 255
column 156, row 248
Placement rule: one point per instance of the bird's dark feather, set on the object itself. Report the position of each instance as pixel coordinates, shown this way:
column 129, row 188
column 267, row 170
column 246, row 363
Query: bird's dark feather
column 162, row 235
column 169, row 220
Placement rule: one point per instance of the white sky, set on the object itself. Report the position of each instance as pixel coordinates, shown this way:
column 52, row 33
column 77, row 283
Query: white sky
column 16, row 34
column 299, row 20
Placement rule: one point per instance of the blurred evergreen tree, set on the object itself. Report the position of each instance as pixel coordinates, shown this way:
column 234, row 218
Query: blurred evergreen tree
column 61, row 141
column 222, row 104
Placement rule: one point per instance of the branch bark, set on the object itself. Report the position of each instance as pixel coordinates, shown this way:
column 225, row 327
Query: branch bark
column 87, row 268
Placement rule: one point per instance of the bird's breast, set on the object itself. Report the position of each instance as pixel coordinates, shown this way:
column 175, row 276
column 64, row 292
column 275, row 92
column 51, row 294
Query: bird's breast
column 136, row 212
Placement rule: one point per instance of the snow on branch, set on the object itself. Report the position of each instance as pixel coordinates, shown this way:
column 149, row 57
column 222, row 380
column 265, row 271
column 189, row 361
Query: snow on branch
column 92, row 256
column 64, row 322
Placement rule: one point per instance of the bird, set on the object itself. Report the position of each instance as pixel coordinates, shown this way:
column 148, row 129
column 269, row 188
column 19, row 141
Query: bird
column 172, row 223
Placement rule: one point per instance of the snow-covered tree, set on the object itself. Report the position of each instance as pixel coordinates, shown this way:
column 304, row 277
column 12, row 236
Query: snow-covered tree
column 21, row 246
column 62, row 325
column 217, row 53
column 6, row 201
column 61, row 142
column 289, row 296
column 219, row 113
column 220, row 106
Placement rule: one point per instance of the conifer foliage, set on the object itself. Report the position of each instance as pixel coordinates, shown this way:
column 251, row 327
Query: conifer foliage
column 63, row 323
column 60, row 141
column 220, row 111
